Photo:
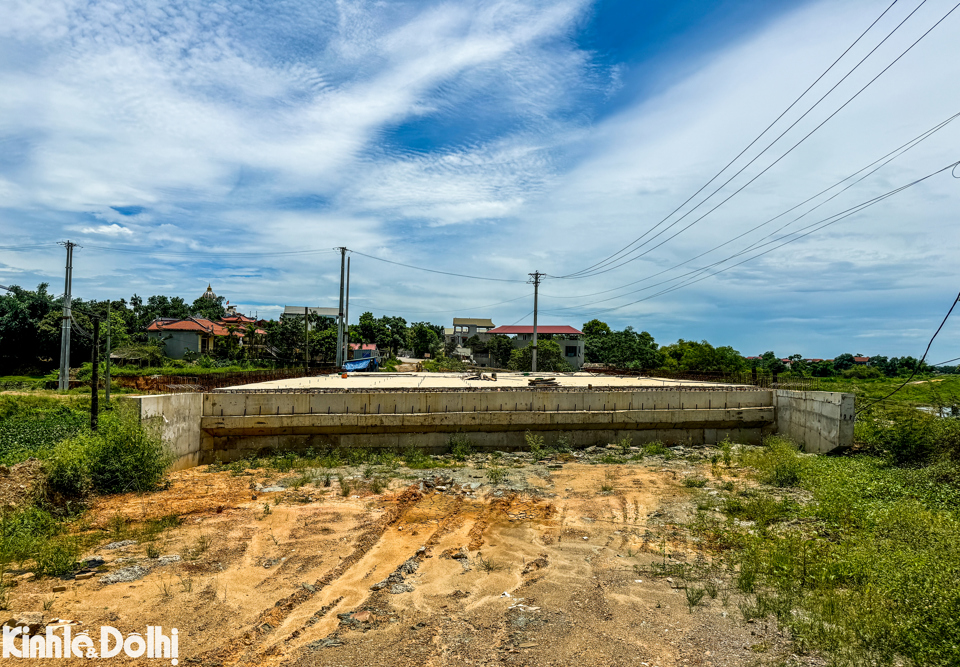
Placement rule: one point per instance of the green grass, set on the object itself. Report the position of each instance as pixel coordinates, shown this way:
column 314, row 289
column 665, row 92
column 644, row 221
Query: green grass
column 866, row 571
column 37, row 433
column 923, row 390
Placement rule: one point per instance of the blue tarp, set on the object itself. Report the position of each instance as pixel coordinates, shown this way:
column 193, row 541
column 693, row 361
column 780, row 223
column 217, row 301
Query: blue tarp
column 360, row 365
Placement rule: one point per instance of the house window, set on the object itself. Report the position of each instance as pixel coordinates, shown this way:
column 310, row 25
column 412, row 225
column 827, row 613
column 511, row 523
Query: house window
column 572, row 351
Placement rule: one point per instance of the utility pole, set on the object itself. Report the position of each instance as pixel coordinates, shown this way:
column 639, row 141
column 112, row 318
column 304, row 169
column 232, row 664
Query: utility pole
column 106, row 378
column 95, row 376
column 64, row 380
column 306, row 339
column 536, row 275
column 346, row 317
column 343, row 259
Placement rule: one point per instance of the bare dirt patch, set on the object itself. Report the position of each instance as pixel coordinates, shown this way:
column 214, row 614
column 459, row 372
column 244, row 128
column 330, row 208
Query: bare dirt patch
column 547, row 571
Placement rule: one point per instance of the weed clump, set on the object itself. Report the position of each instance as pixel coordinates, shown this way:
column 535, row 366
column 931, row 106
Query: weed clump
column 122, row 455
column 460, row 446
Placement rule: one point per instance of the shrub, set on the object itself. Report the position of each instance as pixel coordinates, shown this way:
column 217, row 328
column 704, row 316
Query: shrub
column 122, row 455
column 460, row 446
column 778, row 462
column 535, row 443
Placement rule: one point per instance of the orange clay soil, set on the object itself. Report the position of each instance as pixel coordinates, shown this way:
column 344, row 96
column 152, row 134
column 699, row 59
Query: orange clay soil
column 292, row 585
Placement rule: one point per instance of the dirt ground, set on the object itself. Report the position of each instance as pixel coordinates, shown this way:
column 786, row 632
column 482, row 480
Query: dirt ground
column 549, row 567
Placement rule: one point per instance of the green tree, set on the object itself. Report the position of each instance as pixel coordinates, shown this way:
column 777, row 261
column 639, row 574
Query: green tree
column 26, row 345
column 701, row 357
column 323, row 344
column 772, row 363
column 423, row 339
column 549, row 358
column 843, row 361
column 372, row 330
column 211, row 309
column 595, row 328
column 500, row 347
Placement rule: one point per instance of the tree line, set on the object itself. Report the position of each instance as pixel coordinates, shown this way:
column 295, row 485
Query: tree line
column 30, row 323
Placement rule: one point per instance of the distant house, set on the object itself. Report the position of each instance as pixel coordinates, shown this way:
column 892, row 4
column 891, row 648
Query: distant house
column 861, row 361
column 364, row 350
column 194, row 334
column 569, row 339
column 297, row 311
column 466, row 327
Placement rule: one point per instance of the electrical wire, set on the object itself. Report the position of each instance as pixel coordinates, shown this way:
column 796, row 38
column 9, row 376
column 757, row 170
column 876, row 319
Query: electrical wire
column 522, row 319
column 948, row 361
column 750, row 145
column 27, row 247
column 880, row 162
column 208, row 253
column 458, row 310
column 813, row 227
column 607, row 265
column 445, row 273
column 919, row 363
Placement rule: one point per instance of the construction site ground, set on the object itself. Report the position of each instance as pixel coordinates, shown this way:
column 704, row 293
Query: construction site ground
column 555, row 564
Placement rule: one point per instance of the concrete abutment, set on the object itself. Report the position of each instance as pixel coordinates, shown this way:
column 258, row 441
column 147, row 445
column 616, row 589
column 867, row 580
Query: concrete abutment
column 201, row 428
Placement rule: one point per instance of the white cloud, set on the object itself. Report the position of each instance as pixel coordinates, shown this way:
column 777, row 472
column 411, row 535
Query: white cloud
column 221, row 121
column 108, row 230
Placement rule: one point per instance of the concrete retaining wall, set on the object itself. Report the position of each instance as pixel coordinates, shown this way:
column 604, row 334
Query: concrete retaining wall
column 819, row 420
column 177, row 417
column 200, row 428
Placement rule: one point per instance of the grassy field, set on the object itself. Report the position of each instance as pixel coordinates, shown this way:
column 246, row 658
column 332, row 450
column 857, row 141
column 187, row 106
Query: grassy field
column 940, row 390
column 860, row 559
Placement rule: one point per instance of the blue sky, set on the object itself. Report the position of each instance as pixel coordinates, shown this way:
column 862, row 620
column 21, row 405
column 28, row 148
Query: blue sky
column 490, row 139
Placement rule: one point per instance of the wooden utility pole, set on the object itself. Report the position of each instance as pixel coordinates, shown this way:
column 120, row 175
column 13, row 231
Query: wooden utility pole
column 536, row 275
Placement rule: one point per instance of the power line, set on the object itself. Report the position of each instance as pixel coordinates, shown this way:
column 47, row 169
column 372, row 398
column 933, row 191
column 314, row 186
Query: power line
column 522, row 318
column 748, row 146
column 813, row 227
column 606, row 264
column 445, row 273
column 880, row 163
column 457, row 310
column 948, row 361
column 211, row 254
column 919, row 363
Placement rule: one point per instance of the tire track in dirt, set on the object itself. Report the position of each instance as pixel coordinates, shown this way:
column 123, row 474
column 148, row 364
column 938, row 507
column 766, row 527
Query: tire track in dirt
column 446, row 524
column 244, row 648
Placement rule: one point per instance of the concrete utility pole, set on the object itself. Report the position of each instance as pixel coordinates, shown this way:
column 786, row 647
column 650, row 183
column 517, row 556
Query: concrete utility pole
column 106, row 378
column 346, row 317
column 536, row 275
column 64, row 380
column 95, row 376
column 306, row 339
column 343, row 259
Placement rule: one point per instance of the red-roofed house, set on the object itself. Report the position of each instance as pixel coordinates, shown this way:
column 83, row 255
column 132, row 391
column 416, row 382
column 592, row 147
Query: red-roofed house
column 569, row 339
column 861, row 360
column 193, row 334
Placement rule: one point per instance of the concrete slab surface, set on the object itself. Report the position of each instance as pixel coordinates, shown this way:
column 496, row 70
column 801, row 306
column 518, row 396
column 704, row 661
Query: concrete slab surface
column 373, row 381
